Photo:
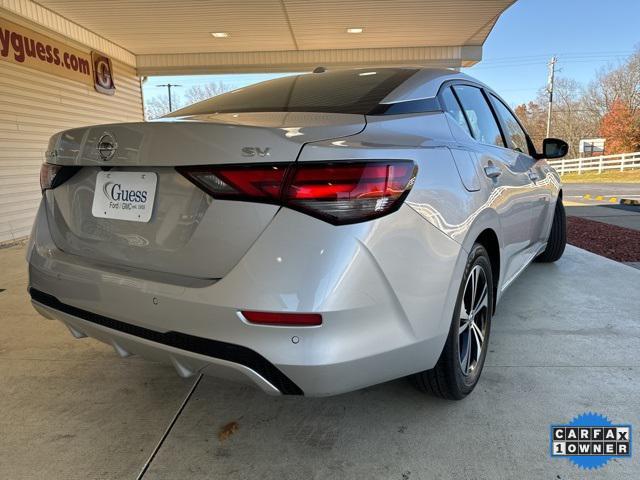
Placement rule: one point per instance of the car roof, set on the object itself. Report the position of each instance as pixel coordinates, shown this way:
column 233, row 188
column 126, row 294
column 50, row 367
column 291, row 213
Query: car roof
column 425, row 83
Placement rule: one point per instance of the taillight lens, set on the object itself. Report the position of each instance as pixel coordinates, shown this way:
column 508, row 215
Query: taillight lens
column 343, row 193
column 239, row 182
column 48, row 174
column 53, row 175
column 284, row 319
column 337, row 192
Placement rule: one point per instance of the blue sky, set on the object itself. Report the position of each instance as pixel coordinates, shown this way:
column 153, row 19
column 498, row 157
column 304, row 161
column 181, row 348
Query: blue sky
column 586, row 35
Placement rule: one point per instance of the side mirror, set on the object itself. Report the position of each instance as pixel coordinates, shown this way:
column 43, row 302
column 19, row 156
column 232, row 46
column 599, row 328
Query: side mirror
column 554, row 148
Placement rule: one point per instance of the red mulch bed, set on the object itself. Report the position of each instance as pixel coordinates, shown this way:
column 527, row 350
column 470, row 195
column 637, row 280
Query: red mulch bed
column 617, row 243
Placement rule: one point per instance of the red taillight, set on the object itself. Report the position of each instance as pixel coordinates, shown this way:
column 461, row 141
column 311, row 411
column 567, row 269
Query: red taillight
column 349, row 192
column 239, row 182
column 48, row 174
column 338, row 192
column 284, row 319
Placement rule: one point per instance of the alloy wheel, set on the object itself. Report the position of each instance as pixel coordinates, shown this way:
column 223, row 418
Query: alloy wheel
column 474, row 313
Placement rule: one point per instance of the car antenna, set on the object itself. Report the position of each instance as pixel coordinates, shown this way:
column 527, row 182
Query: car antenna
column 319, row 70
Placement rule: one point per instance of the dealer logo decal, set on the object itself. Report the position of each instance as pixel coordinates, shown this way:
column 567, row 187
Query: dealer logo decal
column 102, row 74
column 590, row 440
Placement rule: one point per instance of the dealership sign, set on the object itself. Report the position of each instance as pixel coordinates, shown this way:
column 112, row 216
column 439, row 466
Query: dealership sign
column 29, row 48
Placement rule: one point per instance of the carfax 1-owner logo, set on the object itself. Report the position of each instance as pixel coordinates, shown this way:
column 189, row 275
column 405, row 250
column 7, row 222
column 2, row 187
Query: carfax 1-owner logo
column 590, row 440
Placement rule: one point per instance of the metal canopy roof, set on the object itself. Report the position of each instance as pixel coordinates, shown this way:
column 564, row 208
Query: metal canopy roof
column 169, row 36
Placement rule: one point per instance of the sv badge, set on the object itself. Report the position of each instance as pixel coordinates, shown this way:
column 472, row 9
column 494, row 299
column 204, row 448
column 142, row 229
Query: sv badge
column 256, row 152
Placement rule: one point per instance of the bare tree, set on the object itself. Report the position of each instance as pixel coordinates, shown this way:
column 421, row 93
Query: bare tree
column 158, row 106
column 534, row 118
column 615, row 84
column 570, row 120
column 197, row 93
column 608, row 107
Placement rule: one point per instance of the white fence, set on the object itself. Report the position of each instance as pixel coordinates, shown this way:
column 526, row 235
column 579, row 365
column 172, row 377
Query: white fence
column 621, row 162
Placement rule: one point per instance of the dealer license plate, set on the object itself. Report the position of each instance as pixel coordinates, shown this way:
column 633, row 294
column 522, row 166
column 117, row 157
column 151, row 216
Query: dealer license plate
column 125, row 195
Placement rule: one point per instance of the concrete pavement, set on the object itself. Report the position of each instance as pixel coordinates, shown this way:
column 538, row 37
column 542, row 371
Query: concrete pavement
column 67, row 409
column 565, row 340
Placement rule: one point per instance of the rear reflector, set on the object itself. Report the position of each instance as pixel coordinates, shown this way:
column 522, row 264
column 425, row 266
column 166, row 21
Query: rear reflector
column 337, row 192
column 284, row 319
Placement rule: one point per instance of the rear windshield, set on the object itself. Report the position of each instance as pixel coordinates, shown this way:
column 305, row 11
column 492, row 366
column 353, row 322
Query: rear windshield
column 346, row 91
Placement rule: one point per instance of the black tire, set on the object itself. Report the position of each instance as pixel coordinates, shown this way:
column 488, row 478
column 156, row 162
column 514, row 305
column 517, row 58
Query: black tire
column 447, row 379
column 557, row 237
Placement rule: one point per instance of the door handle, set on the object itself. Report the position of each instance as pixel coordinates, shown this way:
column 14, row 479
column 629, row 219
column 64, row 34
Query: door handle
column 492, row 171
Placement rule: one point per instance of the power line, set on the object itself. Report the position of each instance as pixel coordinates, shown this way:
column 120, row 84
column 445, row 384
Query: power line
column 609, row 54
column 538, row 62
column 530, row 60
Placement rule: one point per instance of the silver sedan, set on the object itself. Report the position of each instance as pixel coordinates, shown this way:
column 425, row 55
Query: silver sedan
column 313, row 234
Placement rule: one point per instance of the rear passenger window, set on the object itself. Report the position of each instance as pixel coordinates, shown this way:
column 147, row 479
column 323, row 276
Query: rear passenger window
column 516, row 138
column 453, row 108
column 483, row 124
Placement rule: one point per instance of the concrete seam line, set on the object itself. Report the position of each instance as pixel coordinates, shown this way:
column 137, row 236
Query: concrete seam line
column 147, row 464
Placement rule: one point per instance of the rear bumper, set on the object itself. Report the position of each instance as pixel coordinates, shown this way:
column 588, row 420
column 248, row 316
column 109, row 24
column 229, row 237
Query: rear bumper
column 383, row 289
column 187, row 353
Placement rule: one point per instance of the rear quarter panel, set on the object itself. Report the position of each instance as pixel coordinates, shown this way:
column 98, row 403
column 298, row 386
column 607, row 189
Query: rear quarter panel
column 439, row 195
column 438, row 199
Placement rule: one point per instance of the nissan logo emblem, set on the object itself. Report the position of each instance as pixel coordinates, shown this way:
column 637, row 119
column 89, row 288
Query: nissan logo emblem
column 107, row 146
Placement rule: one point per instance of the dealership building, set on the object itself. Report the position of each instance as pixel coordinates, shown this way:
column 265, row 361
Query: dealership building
column 70, row 63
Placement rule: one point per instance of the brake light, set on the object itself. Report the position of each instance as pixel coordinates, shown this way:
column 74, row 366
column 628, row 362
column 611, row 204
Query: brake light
column 337, row 192
column 350, row 192
column 284, row 319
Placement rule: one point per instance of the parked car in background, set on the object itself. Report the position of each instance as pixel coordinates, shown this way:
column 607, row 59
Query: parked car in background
column 312, row 234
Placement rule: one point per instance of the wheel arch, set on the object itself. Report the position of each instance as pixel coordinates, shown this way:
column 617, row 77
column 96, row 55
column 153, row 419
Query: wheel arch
column 489, row 240
column 486, row 231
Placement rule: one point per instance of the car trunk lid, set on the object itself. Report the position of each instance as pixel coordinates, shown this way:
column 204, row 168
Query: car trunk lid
column 188, row 233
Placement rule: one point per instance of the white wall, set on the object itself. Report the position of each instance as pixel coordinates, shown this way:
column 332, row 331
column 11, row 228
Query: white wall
column 35, row 105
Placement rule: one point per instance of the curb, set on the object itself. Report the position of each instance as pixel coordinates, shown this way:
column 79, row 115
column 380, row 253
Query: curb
column 600, row 198
column 629, row 201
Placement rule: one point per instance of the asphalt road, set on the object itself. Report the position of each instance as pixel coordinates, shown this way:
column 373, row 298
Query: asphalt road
column 620, row 190
column 603, row 210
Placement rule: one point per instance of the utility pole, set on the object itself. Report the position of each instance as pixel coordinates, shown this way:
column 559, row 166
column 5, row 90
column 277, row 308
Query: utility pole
column 169, row 85
column 552, row 71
